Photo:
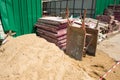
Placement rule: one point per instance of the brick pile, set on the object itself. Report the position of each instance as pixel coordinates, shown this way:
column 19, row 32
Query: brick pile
column 115, row 11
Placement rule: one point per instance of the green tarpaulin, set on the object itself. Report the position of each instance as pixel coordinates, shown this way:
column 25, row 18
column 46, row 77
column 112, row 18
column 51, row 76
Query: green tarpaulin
column 102, row 4
column 20, row 15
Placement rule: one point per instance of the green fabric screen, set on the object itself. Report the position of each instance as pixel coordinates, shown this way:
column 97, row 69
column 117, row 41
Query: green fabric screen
column 20, row 15
column 102, row 4
column 117, row 1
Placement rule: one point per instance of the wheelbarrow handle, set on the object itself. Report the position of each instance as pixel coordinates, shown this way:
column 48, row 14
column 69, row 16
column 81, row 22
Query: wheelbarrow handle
column 67, row 17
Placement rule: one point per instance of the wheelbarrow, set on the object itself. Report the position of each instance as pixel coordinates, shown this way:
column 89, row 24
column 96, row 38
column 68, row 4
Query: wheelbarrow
column 80, row 40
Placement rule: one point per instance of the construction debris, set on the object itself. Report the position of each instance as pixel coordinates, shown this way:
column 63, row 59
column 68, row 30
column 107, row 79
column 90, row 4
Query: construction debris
column 106, row 25
column 85, row 33
column 111, row 18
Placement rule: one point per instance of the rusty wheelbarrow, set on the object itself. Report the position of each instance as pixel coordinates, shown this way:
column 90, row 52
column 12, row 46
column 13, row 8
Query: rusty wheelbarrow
column 80, row 40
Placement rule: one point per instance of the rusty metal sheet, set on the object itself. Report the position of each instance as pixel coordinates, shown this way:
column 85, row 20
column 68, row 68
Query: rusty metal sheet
column 75, row 42
column 91, row 50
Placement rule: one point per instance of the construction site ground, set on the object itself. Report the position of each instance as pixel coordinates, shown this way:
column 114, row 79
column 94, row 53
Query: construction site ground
column 29, row 57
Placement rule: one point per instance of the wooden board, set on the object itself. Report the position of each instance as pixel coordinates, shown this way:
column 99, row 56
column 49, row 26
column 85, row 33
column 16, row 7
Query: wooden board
column 75, row 42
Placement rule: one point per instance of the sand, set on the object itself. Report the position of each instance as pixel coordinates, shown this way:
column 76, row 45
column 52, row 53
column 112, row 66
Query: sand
column 29, row 57
column 97, row 66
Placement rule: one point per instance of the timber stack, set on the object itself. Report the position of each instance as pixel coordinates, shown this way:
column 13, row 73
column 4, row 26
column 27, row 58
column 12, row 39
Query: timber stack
column 53, row 29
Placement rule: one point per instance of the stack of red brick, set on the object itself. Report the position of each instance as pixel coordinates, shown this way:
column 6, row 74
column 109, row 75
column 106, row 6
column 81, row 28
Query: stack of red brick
column 53, row 30
column 105, row 18
column 113, row 25
column 116, row 11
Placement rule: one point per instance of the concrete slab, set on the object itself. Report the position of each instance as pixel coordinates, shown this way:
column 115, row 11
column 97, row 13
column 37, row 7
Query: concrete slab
column 111, row 47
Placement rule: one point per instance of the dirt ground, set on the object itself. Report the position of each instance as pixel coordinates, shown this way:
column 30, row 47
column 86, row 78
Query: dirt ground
column 29, row 57
column 99, row 65
column 102, row 62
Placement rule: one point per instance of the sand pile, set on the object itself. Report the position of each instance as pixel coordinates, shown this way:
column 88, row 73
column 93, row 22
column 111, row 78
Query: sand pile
column 29, row 57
